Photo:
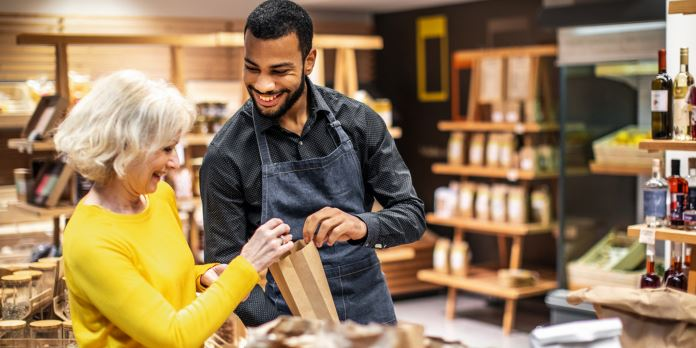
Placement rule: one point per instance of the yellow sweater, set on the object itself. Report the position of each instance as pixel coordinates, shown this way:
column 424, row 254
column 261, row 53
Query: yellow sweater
column 132, row 279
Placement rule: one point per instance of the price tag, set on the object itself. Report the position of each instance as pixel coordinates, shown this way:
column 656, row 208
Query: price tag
column 519, row 128
column 647, row 236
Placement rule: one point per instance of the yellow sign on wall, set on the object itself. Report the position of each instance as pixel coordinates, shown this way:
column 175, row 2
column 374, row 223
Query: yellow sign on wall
column 432, row 27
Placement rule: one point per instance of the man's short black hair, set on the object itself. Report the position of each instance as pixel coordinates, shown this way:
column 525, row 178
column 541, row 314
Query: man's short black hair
column 274, row 19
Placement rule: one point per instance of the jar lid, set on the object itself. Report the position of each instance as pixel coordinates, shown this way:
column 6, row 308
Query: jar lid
column 45, row 324
column 17, row 278
column 42, row 266
column 33, row 274
column 12, row 324
column 14, row 267
column 67, row 324
column 51, row 260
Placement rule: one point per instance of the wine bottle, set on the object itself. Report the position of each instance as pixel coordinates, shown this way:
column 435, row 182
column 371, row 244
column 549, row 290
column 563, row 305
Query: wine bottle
column 650, row 279
column 661, row 100
column 682, row 129
column 678, row 192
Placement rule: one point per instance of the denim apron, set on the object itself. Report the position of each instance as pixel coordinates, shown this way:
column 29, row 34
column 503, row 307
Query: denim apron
column 294, row 190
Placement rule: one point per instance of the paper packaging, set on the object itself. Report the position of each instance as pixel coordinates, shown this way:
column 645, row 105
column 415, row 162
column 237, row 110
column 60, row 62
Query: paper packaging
column 476, row 148
column 499, row 203
column 493, row 150
column 517, row 205
column 440, row 262
column 586, row 334
column 541, row 206
column 459, row 263
column 446, row 200
column 528, row 159
column 465, row 204
column 651, row 317
column 483, row 200
column 455, row 148
column 302, row 282
column 507, row 149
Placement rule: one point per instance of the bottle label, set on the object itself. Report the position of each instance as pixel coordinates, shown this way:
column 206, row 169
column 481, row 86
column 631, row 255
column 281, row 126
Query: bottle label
column 677, row 207
column 655, row 203
column 659, row 101
column 692, row 198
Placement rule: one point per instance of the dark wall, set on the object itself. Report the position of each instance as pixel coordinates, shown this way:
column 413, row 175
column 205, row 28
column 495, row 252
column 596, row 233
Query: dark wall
column 492, row 23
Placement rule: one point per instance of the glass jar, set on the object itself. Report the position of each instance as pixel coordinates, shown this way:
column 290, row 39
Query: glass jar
column 12, row 330
column 68, row 335
column 46, row 330
column 54, row 261
column 35, row 280
column 16, row 296
column 48, row 279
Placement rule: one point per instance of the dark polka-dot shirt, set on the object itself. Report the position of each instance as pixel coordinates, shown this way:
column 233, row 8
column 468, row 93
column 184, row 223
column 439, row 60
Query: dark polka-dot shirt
column 230, row 178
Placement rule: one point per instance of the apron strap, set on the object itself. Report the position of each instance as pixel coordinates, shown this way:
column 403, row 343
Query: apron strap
column 261, row 140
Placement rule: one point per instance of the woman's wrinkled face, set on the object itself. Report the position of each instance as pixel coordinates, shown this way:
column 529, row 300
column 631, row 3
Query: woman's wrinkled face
column 143, row 176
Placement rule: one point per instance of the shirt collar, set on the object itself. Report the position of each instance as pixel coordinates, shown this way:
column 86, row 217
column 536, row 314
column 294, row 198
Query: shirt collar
column 315, row 100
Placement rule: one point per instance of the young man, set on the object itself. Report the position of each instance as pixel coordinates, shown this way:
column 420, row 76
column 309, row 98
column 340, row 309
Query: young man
column 314, row 159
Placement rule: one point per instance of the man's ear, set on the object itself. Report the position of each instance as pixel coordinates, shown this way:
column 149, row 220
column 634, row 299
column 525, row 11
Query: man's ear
column 309, row 61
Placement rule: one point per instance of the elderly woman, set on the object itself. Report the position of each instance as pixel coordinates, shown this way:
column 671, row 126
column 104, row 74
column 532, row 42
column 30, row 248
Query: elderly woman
column 130, row 274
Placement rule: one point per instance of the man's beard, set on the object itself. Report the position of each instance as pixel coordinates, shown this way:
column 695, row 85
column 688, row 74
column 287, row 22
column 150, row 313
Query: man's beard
column 289, row 103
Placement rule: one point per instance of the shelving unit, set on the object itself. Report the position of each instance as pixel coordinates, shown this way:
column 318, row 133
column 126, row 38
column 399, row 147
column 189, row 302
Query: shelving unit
column 533, row 128
column 484, row 280
column 55, row 213
column 474, row 126
column 8, row 121
column 673, row 235
column 25, row 146
column 490, row 227
column 662, row 145
column 620, row 170
column 510, row 174
column 684, row 7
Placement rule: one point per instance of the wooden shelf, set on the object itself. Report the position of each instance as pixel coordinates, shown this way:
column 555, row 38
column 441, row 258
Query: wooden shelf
column 682, row 7
column 24, row 145
column 13, row 121
column 660, row 145
column 395, row 132
column 519, row 128
column 195, row 139
column 489, row 227
column 396, row 254
column 485, row 281
column 218, row 39
column 616, row 169
column 486, row 172
column 665, row 233
column 41, row 212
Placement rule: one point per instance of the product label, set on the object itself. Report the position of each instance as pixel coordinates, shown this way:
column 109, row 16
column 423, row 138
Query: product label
column 691, row 203
column 655, row 203
column 659, row 101
column 677, row 207
column 689, row 217
column 457, row 260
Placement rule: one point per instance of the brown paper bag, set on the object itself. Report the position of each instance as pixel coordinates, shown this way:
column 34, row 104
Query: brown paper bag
column 302, row 282
column 650, row 317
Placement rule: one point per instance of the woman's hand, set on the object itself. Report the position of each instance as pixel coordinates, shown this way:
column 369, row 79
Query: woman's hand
column 212, row 274
column 270, row 241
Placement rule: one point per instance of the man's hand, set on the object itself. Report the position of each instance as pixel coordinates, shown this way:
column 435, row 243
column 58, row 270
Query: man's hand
column 332, row 225
column 212, row 274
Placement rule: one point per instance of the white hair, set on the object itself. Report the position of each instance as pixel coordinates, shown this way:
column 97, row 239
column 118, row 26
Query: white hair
column 124, row 118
